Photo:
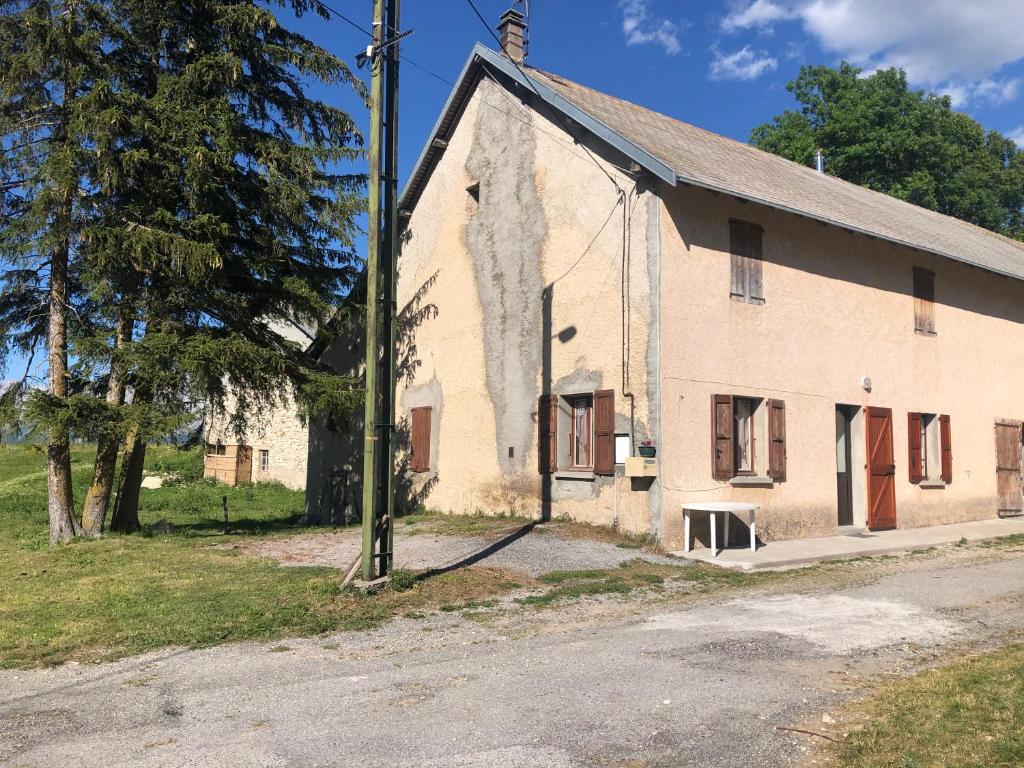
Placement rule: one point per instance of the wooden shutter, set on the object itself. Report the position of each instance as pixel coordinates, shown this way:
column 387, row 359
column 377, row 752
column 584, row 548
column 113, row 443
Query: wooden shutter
column 1008, row 465
column 924, row 301
column 777, row 439
column 604, row 432
column 420, row 458
column 722, row 459
column 547, row 434
column 914, row 421
column 745, row 247
column 946, row 438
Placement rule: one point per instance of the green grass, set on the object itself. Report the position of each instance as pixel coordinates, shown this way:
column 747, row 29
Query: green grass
column 968, row 714
column 95, row 600
column 573, row 585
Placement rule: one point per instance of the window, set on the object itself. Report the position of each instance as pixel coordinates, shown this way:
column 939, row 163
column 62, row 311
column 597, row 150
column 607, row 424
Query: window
column 930, row 450
column 745, row 246
column 924, row 301
column 264, row 460
column 582, row 412
column 576, row 433
column 215, row 450
column 743, row 435
column 739, row 425
column 622, row 448
column 419, row 458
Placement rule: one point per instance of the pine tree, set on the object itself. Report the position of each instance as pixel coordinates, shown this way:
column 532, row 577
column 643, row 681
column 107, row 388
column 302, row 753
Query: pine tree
column 49, row 54
column 232, row 219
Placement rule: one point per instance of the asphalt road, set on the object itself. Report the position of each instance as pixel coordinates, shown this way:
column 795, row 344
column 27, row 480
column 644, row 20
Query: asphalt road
column 603, row 684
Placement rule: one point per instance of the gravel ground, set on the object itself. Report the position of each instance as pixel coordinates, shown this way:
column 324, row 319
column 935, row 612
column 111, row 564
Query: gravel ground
column 533, row 550
column 610, row 682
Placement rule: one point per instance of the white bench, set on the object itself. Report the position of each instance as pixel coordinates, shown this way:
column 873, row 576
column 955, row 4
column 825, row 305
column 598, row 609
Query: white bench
column 712, row 508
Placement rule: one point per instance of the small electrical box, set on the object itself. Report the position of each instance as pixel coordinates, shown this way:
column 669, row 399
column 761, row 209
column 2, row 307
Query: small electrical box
column 638, row 466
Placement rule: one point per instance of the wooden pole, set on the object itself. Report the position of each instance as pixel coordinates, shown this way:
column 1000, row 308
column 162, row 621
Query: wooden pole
column 388, row 275
column 370, row 410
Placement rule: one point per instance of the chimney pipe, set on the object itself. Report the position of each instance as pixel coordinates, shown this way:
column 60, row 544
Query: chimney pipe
column 512, row 29
column 819, row 161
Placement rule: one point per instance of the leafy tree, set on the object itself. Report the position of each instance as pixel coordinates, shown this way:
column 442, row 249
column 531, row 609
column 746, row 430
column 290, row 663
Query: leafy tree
column 877, row 132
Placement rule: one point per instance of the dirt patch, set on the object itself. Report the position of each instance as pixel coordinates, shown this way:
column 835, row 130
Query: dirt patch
column 524, row 548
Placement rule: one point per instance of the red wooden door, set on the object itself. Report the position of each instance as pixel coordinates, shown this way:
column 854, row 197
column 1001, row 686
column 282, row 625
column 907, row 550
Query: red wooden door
column 881, row 470
column 1008, row 464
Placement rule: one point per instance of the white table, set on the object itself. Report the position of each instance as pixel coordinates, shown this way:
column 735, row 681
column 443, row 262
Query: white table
column 713, row 508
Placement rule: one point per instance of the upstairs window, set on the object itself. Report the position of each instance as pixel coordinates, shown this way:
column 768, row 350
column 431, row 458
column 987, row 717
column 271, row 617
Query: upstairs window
column 924, row 301
column 745, row 246
column 264, row 460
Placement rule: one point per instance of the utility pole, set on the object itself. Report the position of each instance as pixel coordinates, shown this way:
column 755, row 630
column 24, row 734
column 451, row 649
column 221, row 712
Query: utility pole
column 382, row 240
column 389, row 274
column 370, row 406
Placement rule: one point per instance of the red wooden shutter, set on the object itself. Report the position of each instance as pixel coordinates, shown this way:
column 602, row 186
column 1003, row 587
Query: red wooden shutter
column 721, row 437
column 604, row 432
column 420, row 459
column 914, row 446
column 777, row 439
column 946, row 438
column 547, row 434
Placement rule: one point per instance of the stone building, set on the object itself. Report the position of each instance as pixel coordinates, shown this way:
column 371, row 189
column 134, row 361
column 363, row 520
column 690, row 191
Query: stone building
column 580, row 276
column 275, row 448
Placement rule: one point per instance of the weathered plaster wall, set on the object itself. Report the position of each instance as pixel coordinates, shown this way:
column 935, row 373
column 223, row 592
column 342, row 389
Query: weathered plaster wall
column 527, row 286
column 838, row 307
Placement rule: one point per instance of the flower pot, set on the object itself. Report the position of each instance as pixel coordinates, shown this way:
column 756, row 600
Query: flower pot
column 648, row 451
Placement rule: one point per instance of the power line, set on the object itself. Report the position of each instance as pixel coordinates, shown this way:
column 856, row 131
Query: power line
column 529, row 81
column 365, row 31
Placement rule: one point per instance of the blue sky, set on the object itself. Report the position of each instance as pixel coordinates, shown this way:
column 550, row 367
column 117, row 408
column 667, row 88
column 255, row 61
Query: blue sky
column 720, row 64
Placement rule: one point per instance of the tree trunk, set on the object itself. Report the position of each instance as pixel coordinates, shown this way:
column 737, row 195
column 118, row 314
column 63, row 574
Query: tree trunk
column 97, row 498
column 126, row 506
column 60, row 502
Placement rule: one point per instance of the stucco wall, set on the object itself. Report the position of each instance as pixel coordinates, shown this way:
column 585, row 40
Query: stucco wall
column 523, row 278
column 838, row 307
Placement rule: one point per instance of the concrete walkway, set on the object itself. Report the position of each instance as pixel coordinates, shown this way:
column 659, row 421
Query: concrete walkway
column 857, row 543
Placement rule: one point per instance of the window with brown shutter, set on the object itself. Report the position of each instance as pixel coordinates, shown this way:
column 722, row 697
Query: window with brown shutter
column 924, row 301
column 946, row 440
column 547, row 434
column 420, row 454
column 604, row 432
column 721, row 437
column 777, row 440
column 745, row 247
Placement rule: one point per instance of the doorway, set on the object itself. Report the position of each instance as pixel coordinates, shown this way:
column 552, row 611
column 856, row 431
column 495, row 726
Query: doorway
column 844, row 462
column 881, row 469
column 1008, row 468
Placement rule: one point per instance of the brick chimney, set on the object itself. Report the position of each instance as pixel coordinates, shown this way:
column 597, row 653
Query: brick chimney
column 512, row 29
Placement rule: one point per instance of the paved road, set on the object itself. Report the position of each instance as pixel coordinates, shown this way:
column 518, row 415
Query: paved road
column 704, row 685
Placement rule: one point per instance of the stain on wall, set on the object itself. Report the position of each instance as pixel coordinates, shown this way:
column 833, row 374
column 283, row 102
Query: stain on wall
column 505, row 238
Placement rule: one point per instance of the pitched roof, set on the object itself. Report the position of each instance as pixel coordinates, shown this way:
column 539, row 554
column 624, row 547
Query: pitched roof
column 678, row 152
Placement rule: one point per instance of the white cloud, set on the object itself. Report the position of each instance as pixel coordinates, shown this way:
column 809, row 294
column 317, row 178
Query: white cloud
column 951, row 45
column 743, row 64
column 641, row 27
column 1018, row 136
column 761, row 14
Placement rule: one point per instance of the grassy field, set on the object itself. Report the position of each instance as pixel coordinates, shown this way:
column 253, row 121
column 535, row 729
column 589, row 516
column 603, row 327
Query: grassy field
column 120, row 595
column 967, row 714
